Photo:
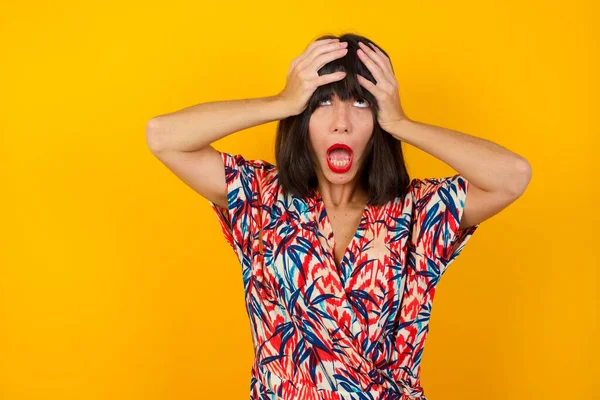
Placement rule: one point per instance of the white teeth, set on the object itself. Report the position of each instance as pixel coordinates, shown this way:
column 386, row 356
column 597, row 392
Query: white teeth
column 339, row 163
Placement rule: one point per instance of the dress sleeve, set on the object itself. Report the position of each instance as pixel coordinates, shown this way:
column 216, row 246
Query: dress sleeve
column 237, row 222
column 439, row 207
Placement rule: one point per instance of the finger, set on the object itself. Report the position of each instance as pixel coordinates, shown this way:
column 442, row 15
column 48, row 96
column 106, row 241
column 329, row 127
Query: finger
column 327, row 78
column 309, row 48
column 331, row 50
column 372, row 60
column 376, row 54
column 367, row 84
column 386, row 60
column 325, row 58
column 315, row 45
column 376, row 71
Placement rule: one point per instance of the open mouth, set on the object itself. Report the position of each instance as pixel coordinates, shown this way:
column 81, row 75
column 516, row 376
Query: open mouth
column 339, row 157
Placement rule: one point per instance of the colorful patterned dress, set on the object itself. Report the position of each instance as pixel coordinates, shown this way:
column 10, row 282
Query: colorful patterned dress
column 353, row 332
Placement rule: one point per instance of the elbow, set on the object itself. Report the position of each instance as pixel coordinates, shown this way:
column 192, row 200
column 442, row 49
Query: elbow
column 522, row 177
column 153, row 135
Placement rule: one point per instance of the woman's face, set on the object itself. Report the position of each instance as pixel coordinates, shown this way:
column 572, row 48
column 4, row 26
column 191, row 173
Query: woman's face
column 348, row 123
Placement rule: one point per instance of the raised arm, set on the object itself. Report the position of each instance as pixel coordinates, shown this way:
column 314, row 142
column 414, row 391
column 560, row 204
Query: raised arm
column 181, row 140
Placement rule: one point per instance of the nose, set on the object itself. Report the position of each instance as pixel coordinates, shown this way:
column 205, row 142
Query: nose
column 341, row 121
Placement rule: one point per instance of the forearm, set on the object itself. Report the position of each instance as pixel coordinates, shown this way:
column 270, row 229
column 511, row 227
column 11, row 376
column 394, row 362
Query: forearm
column 483, row 163
column 198, row 126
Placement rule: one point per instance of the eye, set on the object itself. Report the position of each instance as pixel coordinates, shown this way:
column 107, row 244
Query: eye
column 365, row 102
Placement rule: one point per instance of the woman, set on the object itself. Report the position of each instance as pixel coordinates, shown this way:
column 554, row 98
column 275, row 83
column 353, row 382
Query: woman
column 340, row 250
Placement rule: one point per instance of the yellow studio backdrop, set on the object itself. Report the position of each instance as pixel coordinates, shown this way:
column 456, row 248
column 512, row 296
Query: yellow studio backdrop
column 115, row 279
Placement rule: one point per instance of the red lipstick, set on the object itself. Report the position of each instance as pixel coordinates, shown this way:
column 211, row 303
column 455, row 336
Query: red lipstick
column 336, row 168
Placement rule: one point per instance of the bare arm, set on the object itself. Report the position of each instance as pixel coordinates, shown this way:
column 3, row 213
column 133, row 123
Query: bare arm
column 198, row 126
column 182, row 140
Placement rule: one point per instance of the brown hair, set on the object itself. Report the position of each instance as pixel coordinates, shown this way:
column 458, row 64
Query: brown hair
column 384, row 174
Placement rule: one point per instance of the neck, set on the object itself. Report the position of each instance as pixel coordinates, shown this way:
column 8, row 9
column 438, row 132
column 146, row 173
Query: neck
column 346, row 195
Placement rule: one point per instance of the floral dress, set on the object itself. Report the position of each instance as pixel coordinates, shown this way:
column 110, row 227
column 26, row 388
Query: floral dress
column 356, row 331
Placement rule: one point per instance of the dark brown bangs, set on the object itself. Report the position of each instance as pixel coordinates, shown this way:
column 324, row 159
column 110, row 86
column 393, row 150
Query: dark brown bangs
column 349, row 87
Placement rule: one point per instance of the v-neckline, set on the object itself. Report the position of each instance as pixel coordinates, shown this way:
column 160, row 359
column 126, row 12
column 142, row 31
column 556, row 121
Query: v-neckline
column 327, row 222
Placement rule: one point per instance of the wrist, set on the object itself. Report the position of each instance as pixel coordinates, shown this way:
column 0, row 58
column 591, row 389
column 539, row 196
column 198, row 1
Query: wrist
column 282, row 106
column 397, row 128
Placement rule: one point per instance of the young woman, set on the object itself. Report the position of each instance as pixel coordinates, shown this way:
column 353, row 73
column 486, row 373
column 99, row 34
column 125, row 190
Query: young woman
column 340, row 250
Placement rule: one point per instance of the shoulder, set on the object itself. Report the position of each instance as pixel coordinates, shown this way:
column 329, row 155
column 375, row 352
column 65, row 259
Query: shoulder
column 247, row 170
column 425, row 185
column 239, row 161
column 433, row 190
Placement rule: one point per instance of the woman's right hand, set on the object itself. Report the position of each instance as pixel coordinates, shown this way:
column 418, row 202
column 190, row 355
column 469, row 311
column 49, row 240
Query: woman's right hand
column 302, row 77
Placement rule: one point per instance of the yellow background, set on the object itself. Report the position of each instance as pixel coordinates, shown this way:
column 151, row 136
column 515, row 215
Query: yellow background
column 115, row 279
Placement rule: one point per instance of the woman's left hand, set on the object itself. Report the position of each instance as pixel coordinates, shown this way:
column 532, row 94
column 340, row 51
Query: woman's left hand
column 386, row 90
